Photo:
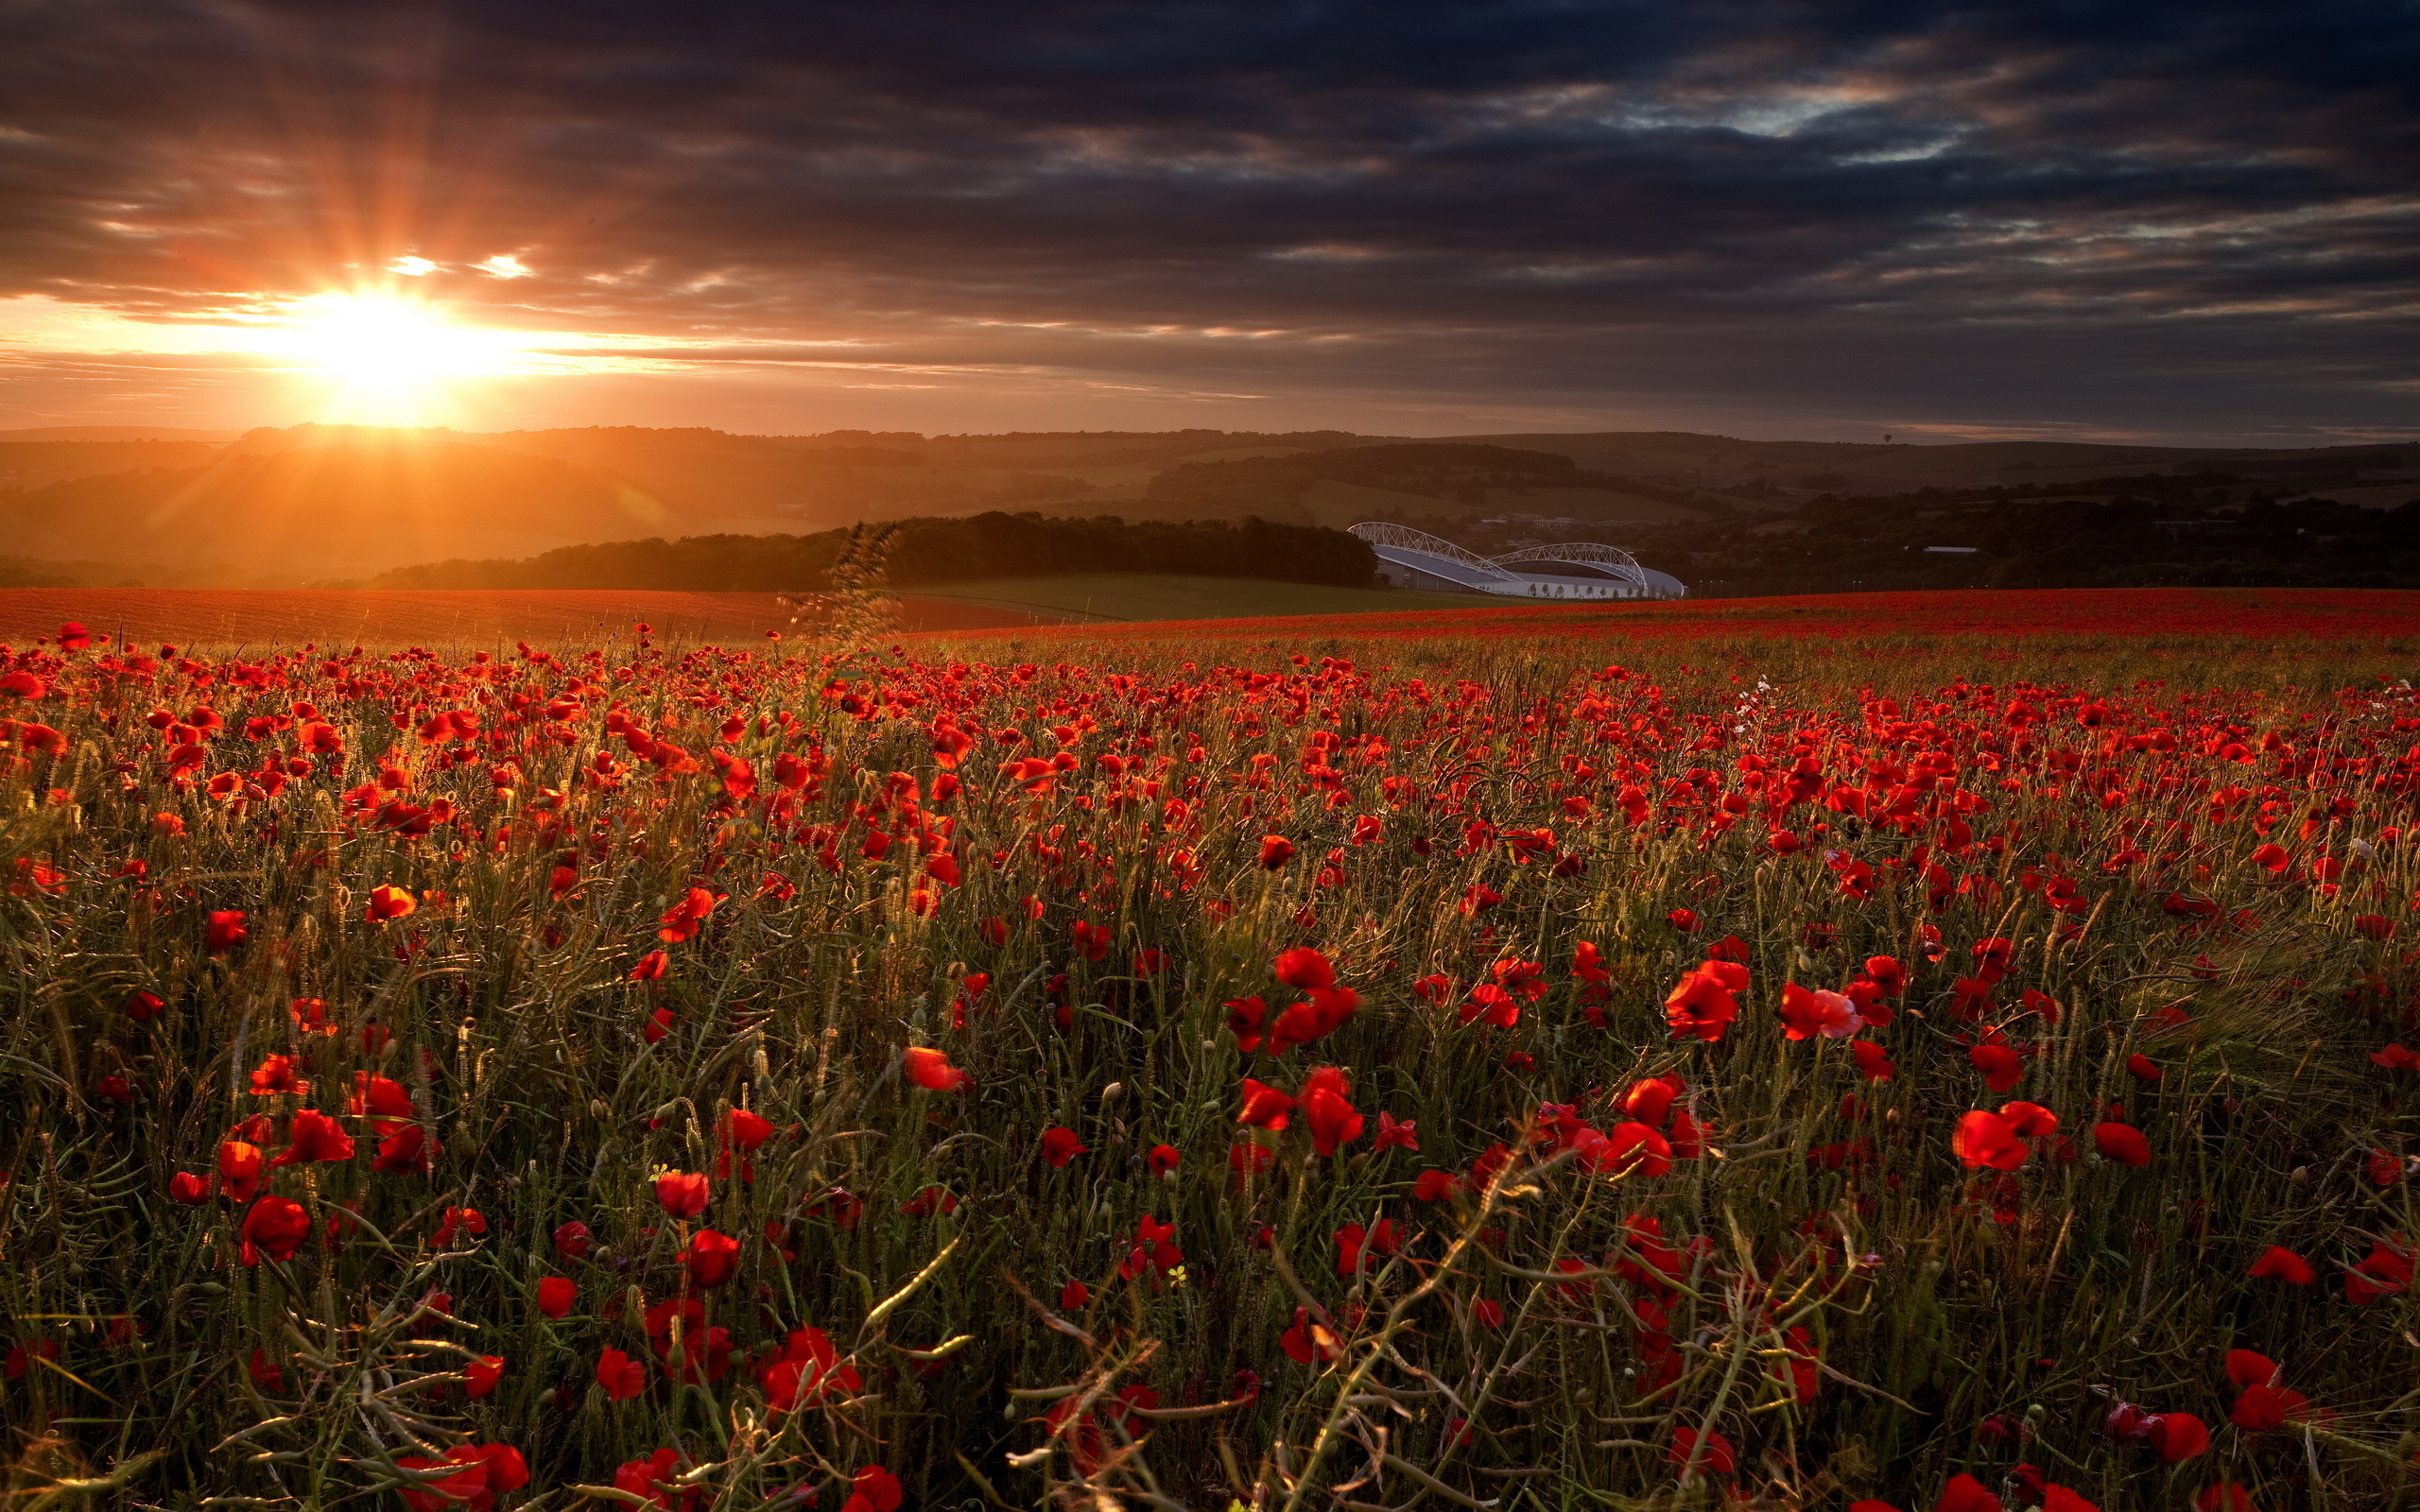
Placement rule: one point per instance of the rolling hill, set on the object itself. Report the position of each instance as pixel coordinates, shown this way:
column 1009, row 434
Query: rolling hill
column 278, row 508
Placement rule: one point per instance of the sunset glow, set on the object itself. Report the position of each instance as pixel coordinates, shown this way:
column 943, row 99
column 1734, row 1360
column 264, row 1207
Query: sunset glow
column 388, row 359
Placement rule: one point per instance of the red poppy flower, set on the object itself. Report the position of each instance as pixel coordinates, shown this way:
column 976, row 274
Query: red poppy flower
column 682, row 1194
column 652, row 967
column 239, row 1169
column 1059, row 1146
column 1706, row 1001
column 1394, row 1134
column 555, row 1295
column 1333, row 1120
column 1305, row 968
column 1986, row 1140
column 1073, row 1297
column 387, row 903
column 2263, row 1407
column 276, row 1227
column 1265, row 1107
column 1806, row 1014
column 275, row 1076
column 1310, row 1339
column 1873, row 1061
column 2122, row 1142
column 930, row 1069
column 1436, row 1186
column 189, row 1189
column 1966, row 1494
column 315, row 1136
column 2284, row 1265
column 683, row 920
column 225, row 932
column 1275, row 850
column 1717, row 1456
column 2002, row 1067
column 1634, row 1149
column 713, row 1258
column 872, row 1489
column 2140, row 1068
column 144, row 1007
column 621, row 1376
column 481, row 1375
column 1245, row 1018
column 1162, row 1160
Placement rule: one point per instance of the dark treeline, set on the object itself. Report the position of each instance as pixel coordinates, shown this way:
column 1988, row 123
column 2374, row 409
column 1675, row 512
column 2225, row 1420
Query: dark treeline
column 2195, row 531
column 928, row 552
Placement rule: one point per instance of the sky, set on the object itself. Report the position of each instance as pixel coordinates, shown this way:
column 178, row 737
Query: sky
column 2184, row 223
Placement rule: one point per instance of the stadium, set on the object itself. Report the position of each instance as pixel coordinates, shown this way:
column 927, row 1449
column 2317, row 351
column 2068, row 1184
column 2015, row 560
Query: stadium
column 1570, row 570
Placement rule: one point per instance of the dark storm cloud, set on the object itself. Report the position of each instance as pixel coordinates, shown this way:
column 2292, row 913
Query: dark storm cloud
column 2194, row 213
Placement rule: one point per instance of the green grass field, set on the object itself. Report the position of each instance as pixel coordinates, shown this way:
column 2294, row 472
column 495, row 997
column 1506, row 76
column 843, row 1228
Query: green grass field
column 1151, row 596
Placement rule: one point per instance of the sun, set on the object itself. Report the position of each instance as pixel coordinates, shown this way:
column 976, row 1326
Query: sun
column 386, row 358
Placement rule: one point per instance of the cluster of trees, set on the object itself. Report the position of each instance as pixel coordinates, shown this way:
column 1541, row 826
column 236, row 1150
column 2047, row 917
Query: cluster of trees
column 928, row 552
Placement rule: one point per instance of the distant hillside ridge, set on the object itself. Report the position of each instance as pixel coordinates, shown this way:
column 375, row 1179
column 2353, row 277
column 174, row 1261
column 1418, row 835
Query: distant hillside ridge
column 929, row 552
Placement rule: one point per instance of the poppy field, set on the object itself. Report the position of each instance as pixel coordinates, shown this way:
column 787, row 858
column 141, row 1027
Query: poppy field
column 1865, row 1067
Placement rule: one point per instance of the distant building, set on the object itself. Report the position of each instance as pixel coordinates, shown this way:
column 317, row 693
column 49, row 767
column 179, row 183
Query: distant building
column 1567, row 571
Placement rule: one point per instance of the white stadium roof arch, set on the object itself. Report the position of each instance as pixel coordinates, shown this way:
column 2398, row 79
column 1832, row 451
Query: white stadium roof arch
column 1590, row 570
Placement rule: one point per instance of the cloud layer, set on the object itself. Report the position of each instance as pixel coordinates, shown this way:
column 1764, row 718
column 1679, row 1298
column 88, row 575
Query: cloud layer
column 2163, row 220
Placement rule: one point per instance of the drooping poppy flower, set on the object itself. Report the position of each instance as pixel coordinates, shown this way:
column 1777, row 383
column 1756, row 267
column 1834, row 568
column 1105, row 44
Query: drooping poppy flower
column 2028, row 1120
column 315, row 1136
column 239, row 1169
column 275, row 1226
column 1073, row 1297
column 1436, row 1186
column 404, row 1152
column 1634, row 1149
column 1245, row 1018
column 808, row 1369
column 1333, row 1120
column 275, row 1076
column 2285, row 1265
column 1715, row 1455
column 683, row 920
column 2179, row 1436
column 556, row 1294
column 1806, row 1014
column 2263, row 1406
column 1305, row 968
column 2002, row 1067
column 1986, row 1140
column 621, row 1376
column 712, row 1258
column 1059, row 1146
column 2122, row 1142
column 1310, row 1339
column 1706, row 1001
column 1966, row 1494
column 872, row 1489
column 1265, row 1107
column 2140, row 1068
column 144, row 1007
column 1651, row 1101
column 682, row 1194
column 930, row 1069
